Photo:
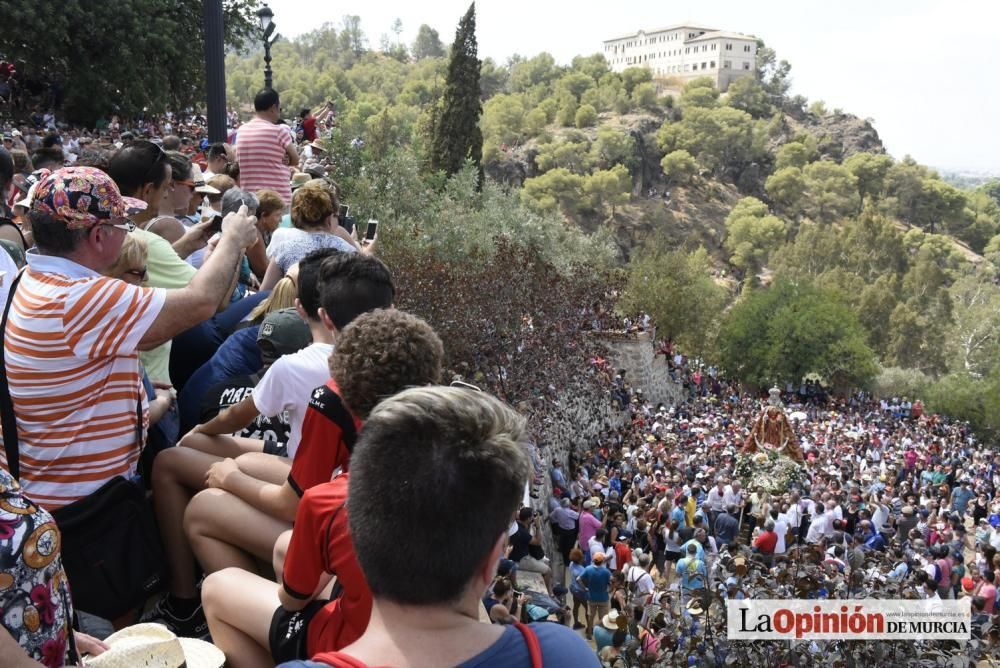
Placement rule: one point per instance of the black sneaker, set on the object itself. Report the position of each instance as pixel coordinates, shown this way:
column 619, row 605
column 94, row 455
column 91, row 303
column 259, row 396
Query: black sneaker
column 193, row 626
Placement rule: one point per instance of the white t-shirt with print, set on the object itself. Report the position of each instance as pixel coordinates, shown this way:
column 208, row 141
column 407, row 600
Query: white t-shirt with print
column 288, row 384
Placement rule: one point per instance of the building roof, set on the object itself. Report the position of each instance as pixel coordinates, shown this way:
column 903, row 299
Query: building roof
column 721, row 34
column 676, row 26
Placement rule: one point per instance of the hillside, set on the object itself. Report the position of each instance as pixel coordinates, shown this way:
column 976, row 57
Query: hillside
column 763, row 233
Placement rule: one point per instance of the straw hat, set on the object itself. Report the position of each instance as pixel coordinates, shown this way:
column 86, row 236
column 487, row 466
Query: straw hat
column 154, row 646
column 613, row 621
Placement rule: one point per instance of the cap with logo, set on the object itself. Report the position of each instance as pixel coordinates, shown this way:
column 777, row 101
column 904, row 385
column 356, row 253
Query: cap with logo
column 282, row 333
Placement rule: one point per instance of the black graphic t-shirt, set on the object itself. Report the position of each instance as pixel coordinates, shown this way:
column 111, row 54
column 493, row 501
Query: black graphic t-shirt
column 233, row 390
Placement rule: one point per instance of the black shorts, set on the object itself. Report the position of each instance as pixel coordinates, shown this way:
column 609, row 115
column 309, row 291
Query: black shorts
column 275, row 448
column 672, row 557
column 289, row 631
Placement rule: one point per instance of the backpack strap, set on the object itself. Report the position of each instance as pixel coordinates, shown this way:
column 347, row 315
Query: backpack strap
column 332, row 407
column 7, row 418
column 531, row 640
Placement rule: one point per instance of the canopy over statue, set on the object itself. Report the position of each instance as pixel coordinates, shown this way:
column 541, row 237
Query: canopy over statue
column 772, row 430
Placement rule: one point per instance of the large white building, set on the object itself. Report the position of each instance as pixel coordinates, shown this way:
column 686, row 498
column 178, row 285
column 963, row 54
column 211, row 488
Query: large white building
column 686, row 51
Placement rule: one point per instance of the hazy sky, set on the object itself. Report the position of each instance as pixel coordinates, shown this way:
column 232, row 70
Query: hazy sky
column 921, row 69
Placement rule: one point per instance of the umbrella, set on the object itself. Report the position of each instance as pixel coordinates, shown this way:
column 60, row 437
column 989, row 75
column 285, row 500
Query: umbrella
column 799, row 415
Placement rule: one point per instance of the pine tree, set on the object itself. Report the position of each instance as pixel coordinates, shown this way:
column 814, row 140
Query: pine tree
column 457, row 136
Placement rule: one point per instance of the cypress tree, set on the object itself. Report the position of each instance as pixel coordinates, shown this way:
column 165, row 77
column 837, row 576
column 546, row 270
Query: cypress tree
column 457, row 136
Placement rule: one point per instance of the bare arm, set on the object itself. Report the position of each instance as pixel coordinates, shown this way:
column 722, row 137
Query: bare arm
column 192, row 239
column 271, row 276
column 200, row 300
column 230, row 420
column 293, row 155
column 257, row 256
column 13, row 655
column 291, row 603
column 278, row 501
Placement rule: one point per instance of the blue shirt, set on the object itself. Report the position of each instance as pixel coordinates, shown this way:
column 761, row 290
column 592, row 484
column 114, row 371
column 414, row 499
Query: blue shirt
column 597, row 579
column 680, row 516
column 561, row 646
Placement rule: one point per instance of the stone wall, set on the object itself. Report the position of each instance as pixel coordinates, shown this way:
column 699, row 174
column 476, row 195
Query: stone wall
column 578, row 414
column 645, row 370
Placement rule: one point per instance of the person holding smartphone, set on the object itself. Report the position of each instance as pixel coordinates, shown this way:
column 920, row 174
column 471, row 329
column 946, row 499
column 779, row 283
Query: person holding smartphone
column 316, row 225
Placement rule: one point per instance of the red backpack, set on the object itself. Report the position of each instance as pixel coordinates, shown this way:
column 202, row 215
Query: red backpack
column 341, row 660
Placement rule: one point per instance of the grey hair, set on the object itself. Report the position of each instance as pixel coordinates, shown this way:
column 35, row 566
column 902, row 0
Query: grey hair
column 769, row 525
column 234, row 198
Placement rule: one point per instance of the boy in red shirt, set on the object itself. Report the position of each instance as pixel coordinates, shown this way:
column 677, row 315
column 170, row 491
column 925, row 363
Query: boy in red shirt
column 252, row 619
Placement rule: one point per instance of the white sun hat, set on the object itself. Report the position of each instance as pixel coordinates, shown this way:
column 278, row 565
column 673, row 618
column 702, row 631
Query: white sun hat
column 155, row 646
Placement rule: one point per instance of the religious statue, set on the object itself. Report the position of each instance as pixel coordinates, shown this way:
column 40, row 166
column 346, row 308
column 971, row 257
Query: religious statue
column 773, row 431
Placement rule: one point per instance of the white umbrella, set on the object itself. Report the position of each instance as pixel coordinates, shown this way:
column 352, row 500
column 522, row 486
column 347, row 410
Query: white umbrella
column 799, row 415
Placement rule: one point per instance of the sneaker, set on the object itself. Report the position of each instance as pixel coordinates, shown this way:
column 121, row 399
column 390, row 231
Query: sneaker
column 578, row 626
column 193, row 626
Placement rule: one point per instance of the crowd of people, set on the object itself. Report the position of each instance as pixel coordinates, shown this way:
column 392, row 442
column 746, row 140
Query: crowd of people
column 216, row 422
column 201, row 367
column 654, row 529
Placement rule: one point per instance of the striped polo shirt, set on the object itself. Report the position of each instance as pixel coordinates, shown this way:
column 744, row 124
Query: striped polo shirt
column 260, row 149
column 73, row 370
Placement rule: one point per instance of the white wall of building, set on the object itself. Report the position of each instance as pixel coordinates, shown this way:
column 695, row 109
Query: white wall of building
column 685, row 52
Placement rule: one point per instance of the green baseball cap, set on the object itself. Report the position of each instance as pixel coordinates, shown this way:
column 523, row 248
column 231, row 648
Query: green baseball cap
column 282, row 333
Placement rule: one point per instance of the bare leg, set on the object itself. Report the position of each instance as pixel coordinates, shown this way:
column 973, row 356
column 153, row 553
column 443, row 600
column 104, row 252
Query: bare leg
column 222, row 445
column 239, row 607
column 225, row 531
column 269, row 468
column 178, row 473
column 280, row 550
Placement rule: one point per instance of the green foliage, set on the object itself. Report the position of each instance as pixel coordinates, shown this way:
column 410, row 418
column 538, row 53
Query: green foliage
column 613, row 147
column 723, row 140
column 576, row 83
column 679, row 166
column 427, row 43
column 586, row 116
column 896, row 382
column 786, row 188
column 574, row 156
column 99, row 69
column 974, row 343
column 556, row 190
column 772, row 73
column 540, row 70
column 746, row 94
column 870, row 170
column 795, row 154
column 608, row 188
column 782, row 333
column 633, row 76
column 594, row 66
column 700, row 92
column 751, row 234
column 980, row 222
column 818, row 108
column 503, row 118
column 971, row 398
column 832, row 191
column 644, row 97
column 677, row 289
column 457, row 136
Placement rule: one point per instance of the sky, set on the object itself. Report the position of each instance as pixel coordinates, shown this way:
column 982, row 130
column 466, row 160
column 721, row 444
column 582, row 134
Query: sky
column 921, row 70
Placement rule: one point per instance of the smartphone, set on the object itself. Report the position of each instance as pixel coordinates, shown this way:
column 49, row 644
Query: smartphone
column 216, row 225
column 344, row 218
column 372, row 229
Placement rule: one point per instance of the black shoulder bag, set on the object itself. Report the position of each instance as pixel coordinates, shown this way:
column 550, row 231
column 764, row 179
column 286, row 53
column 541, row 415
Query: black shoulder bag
column 111, row 548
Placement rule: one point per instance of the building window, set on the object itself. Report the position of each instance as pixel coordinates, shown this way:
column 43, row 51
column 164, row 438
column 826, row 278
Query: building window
column 727, row 64
column 713, row 46
column 713, row 65
column 747, row 48
column 729, row 47
column 746, row 66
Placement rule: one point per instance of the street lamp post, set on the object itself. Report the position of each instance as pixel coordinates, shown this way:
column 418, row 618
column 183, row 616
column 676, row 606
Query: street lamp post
column 266, row 17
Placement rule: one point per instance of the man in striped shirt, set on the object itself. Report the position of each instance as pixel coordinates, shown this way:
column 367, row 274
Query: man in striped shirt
column 72, row 337
column 263, row 145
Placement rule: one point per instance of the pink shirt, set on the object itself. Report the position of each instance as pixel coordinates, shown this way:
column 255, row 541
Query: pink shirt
column 260, row 150
column 588, row 527
column 988, row 592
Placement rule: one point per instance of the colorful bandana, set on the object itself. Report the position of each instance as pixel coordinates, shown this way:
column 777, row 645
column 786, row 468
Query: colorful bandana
column 82, row 197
